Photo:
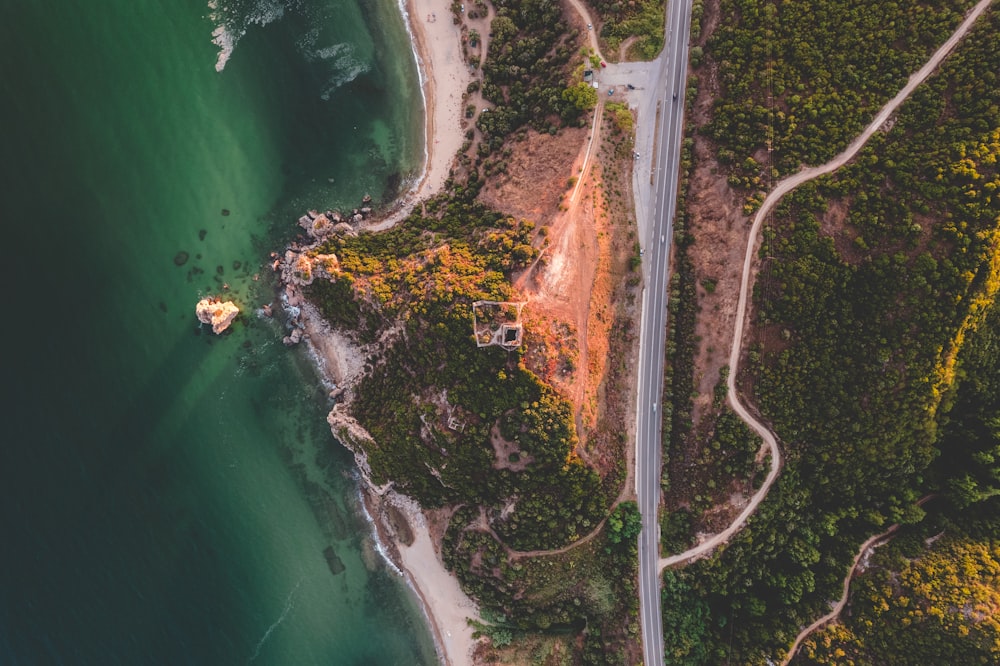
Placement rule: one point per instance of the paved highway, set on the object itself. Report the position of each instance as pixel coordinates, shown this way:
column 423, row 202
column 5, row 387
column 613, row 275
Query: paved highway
column 670, row 81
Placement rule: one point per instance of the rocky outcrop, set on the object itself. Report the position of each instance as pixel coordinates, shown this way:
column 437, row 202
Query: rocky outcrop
column 304, row 262
column 220, row 314
column 293, row 338
column 319, row 226
column 303, row 266
column 352, row 435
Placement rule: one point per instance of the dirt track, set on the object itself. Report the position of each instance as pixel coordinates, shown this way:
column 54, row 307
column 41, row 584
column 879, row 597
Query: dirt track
column 783, row 188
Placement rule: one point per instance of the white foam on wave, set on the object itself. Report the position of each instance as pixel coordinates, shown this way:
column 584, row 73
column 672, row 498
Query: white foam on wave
column 348, row 69
column 342, row 59
column 329, row 52
column 229, row 28
column 379, row 546
column 289, row 605
column 422, row 80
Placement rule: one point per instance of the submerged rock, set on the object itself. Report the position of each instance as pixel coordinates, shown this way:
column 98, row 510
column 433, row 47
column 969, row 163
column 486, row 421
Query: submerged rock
column 220, row 314
column 333, row 561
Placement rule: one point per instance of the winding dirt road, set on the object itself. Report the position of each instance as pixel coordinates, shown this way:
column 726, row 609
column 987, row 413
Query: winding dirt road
column 835, row 611
column 783, row 188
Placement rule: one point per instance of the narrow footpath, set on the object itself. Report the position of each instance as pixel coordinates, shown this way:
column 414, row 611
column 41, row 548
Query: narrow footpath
column 838, row 607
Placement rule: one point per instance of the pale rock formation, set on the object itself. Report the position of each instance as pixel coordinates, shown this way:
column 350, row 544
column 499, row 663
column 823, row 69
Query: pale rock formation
column 294, row 338
column 220, row 314
column 301, row 268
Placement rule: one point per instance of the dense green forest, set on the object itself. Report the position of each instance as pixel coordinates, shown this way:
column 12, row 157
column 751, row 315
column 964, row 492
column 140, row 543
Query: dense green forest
column 804, row 78
column 872, row 281
column 930, row 597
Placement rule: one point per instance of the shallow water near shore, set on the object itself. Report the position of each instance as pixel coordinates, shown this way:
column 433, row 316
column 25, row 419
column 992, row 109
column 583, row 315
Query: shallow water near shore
column 170, row 496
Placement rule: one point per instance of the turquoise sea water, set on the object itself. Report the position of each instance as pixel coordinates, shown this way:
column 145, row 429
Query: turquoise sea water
column 168, row 496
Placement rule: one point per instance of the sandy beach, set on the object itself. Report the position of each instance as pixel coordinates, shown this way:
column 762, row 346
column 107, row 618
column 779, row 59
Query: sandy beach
column 447, row 607
column 444, row 77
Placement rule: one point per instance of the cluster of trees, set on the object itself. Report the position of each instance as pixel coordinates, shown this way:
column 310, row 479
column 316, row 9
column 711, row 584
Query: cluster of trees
column 804, row 78
column 589, row 588
column 641, row 18
column 731, row 450
column 525, row 73
column 929, row 597
column 873, row 332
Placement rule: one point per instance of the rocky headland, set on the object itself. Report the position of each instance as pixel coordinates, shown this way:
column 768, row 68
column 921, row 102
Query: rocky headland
column 403, row 533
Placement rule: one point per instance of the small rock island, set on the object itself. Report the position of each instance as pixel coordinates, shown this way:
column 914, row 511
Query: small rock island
column 220, row 314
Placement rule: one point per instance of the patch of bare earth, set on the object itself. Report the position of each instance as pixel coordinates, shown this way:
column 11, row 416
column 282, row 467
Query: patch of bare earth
column 576, row 290
column 608, row 408
column 508, row 453
column 538, row 170
column 557, row 286
column 720, row 230
column 554, row 350
column 833, row 223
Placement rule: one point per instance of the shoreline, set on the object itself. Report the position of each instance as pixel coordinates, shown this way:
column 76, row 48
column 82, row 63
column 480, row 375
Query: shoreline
column 443, row 77
column 445, row 606
column 400, row 527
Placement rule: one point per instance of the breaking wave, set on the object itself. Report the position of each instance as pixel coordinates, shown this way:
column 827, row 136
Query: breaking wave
column 289, row 605
column 341, row 58
column 232, row 18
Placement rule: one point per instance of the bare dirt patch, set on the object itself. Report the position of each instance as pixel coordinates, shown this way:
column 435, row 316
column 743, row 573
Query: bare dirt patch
column 608, row 409
column 576, row 290
column 553, row 350
column 558, row 285
column 720, row 230
column 538, row 170
column 833, row 223
column 508, row 453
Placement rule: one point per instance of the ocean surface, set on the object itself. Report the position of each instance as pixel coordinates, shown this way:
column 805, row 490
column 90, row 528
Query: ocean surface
column 168, row 496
